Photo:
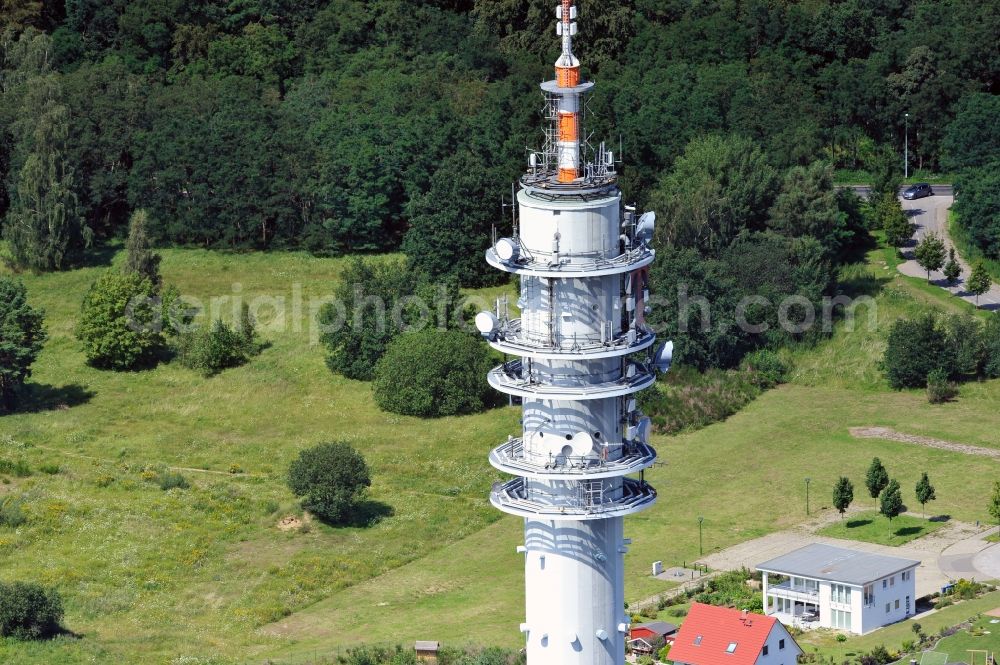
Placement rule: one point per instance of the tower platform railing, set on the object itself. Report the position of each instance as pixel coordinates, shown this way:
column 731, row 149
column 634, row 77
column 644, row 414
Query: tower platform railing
column 512, row 457
column 515, row 498
column 512, row 339
column 630, row 259
column 507, row 378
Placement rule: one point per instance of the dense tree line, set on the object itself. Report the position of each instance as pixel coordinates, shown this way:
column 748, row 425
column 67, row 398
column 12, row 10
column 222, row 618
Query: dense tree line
column 353, row 126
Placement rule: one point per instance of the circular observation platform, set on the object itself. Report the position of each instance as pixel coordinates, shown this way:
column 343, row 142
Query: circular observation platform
column 514, row 498
column 507, row 379
column 511, row 458
column 569, row 266
column 513, row 340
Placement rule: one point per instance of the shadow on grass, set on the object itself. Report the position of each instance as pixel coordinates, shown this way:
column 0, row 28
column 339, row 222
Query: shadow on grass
column 908, row 531
column 364, row 514
column 939, row 518
column 37, row 397
column 854, row 524
column 100, row 255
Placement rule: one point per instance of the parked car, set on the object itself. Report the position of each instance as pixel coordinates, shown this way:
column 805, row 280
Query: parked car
column 918, row 191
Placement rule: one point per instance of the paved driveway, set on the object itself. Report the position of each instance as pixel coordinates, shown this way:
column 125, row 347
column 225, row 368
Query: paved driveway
column 930, row 215
column 955, row 550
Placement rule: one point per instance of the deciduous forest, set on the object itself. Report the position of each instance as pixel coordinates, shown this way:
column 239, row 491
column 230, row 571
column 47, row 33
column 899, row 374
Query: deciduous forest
column 346, row 126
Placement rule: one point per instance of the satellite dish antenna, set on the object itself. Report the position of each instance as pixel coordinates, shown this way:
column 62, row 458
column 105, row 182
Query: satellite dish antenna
column 644, row 229
column 642, row 430
column 664, row 356
column 507, row 249
column 487, row 324
column 582, row 443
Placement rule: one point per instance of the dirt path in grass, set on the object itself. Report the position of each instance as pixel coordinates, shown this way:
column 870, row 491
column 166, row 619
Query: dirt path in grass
column 892, row 435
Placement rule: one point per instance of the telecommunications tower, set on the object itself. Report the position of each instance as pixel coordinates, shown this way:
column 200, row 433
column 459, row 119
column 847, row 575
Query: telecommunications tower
column 582, row 350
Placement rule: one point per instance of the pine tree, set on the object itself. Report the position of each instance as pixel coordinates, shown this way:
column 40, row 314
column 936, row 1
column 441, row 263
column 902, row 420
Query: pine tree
column 876, row 479
column 140, row 257
column 979, row 281
column 894, row 222
column 843, row 494
column 952, row 269
column 930, row 253
column 891, row 502
column 925, row 491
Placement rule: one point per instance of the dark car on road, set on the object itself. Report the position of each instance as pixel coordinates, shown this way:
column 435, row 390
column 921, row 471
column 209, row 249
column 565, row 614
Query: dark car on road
column 918, row 191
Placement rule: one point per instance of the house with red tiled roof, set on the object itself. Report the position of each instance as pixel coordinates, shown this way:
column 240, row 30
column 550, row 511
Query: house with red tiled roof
column 723, row 636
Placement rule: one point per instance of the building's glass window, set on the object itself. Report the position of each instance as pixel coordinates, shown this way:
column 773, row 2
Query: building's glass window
column 763, row 651
column 897, row 603
column 781, row 644
column 840, row 593
column 892, row 581
column 888, row 606
column 869, row 595
column 731, row 648
column 697, row 640
column 884, row 583
column 840, row 619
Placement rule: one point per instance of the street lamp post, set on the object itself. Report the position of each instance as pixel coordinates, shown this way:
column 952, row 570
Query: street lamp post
column 701, row 549
column 906, row 145
column 808, row 480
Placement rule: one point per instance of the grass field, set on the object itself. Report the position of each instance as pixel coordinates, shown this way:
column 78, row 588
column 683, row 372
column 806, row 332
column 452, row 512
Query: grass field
column 984, row 635
column 205, row 573
column 892, row 637
column 872, row 527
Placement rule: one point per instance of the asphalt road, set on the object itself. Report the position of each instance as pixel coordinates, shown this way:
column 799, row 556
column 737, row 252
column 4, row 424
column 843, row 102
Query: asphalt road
column 930, row 215
column 864, row 190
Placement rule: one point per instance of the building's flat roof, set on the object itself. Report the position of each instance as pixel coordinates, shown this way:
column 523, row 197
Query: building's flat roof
column 836, row 564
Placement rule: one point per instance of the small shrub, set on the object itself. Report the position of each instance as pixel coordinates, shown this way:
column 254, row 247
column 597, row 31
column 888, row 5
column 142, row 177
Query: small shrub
column 270, row 507
column 330, row 477
column 170, row 480
column 685, row 399
column 765, row 367
column 104, row 480
column 235, row 469
column 678, row 612
column 908, row 645
column 49, row 468
column 433, row 373
column 211, row 350
column 841, row 637
column 943, row 603
column 29, row 611
column 18, row 468
column 939, row 388
column 12, row 513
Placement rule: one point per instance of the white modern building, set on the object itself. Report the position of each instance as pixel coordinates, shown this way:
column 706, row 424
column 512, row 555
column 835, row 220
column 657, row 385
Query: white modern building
column 833, row 587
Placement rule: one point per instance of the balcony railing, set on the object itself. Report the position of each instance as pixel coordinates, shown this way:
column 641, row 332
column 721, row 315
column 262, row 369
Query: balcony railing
column 511, row 457
column 574, row 266
column 515, row 498
column 513, row 339
column 786, row 590
column 507, row 379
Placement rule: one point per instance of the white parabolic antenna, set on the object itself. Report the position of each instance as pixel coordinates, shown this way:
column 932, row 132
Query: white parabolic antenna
column 644, row 229
column 664, row 356
column 487, row 323
column 506, row 249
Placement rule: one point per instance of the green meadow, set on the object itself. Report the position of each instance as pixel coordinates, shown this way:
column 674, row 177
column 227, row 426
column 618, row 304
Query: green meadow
column 205, row 574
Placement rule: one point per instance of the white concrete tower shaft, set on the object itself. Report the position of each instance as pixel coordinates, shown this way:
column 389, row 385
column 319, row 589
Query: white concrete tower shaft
column 581, row 350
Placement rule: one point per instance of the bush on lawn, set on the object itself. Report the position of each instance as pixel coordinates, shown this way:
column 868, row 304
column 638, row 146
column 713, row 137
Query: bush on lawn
column 939, row 388
column 12, row 513
column 916, row 347
column 213, row 349
column 765, row 367
column 434, row 373
column 29, row 611
column 331, row 478
column 120, row 322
